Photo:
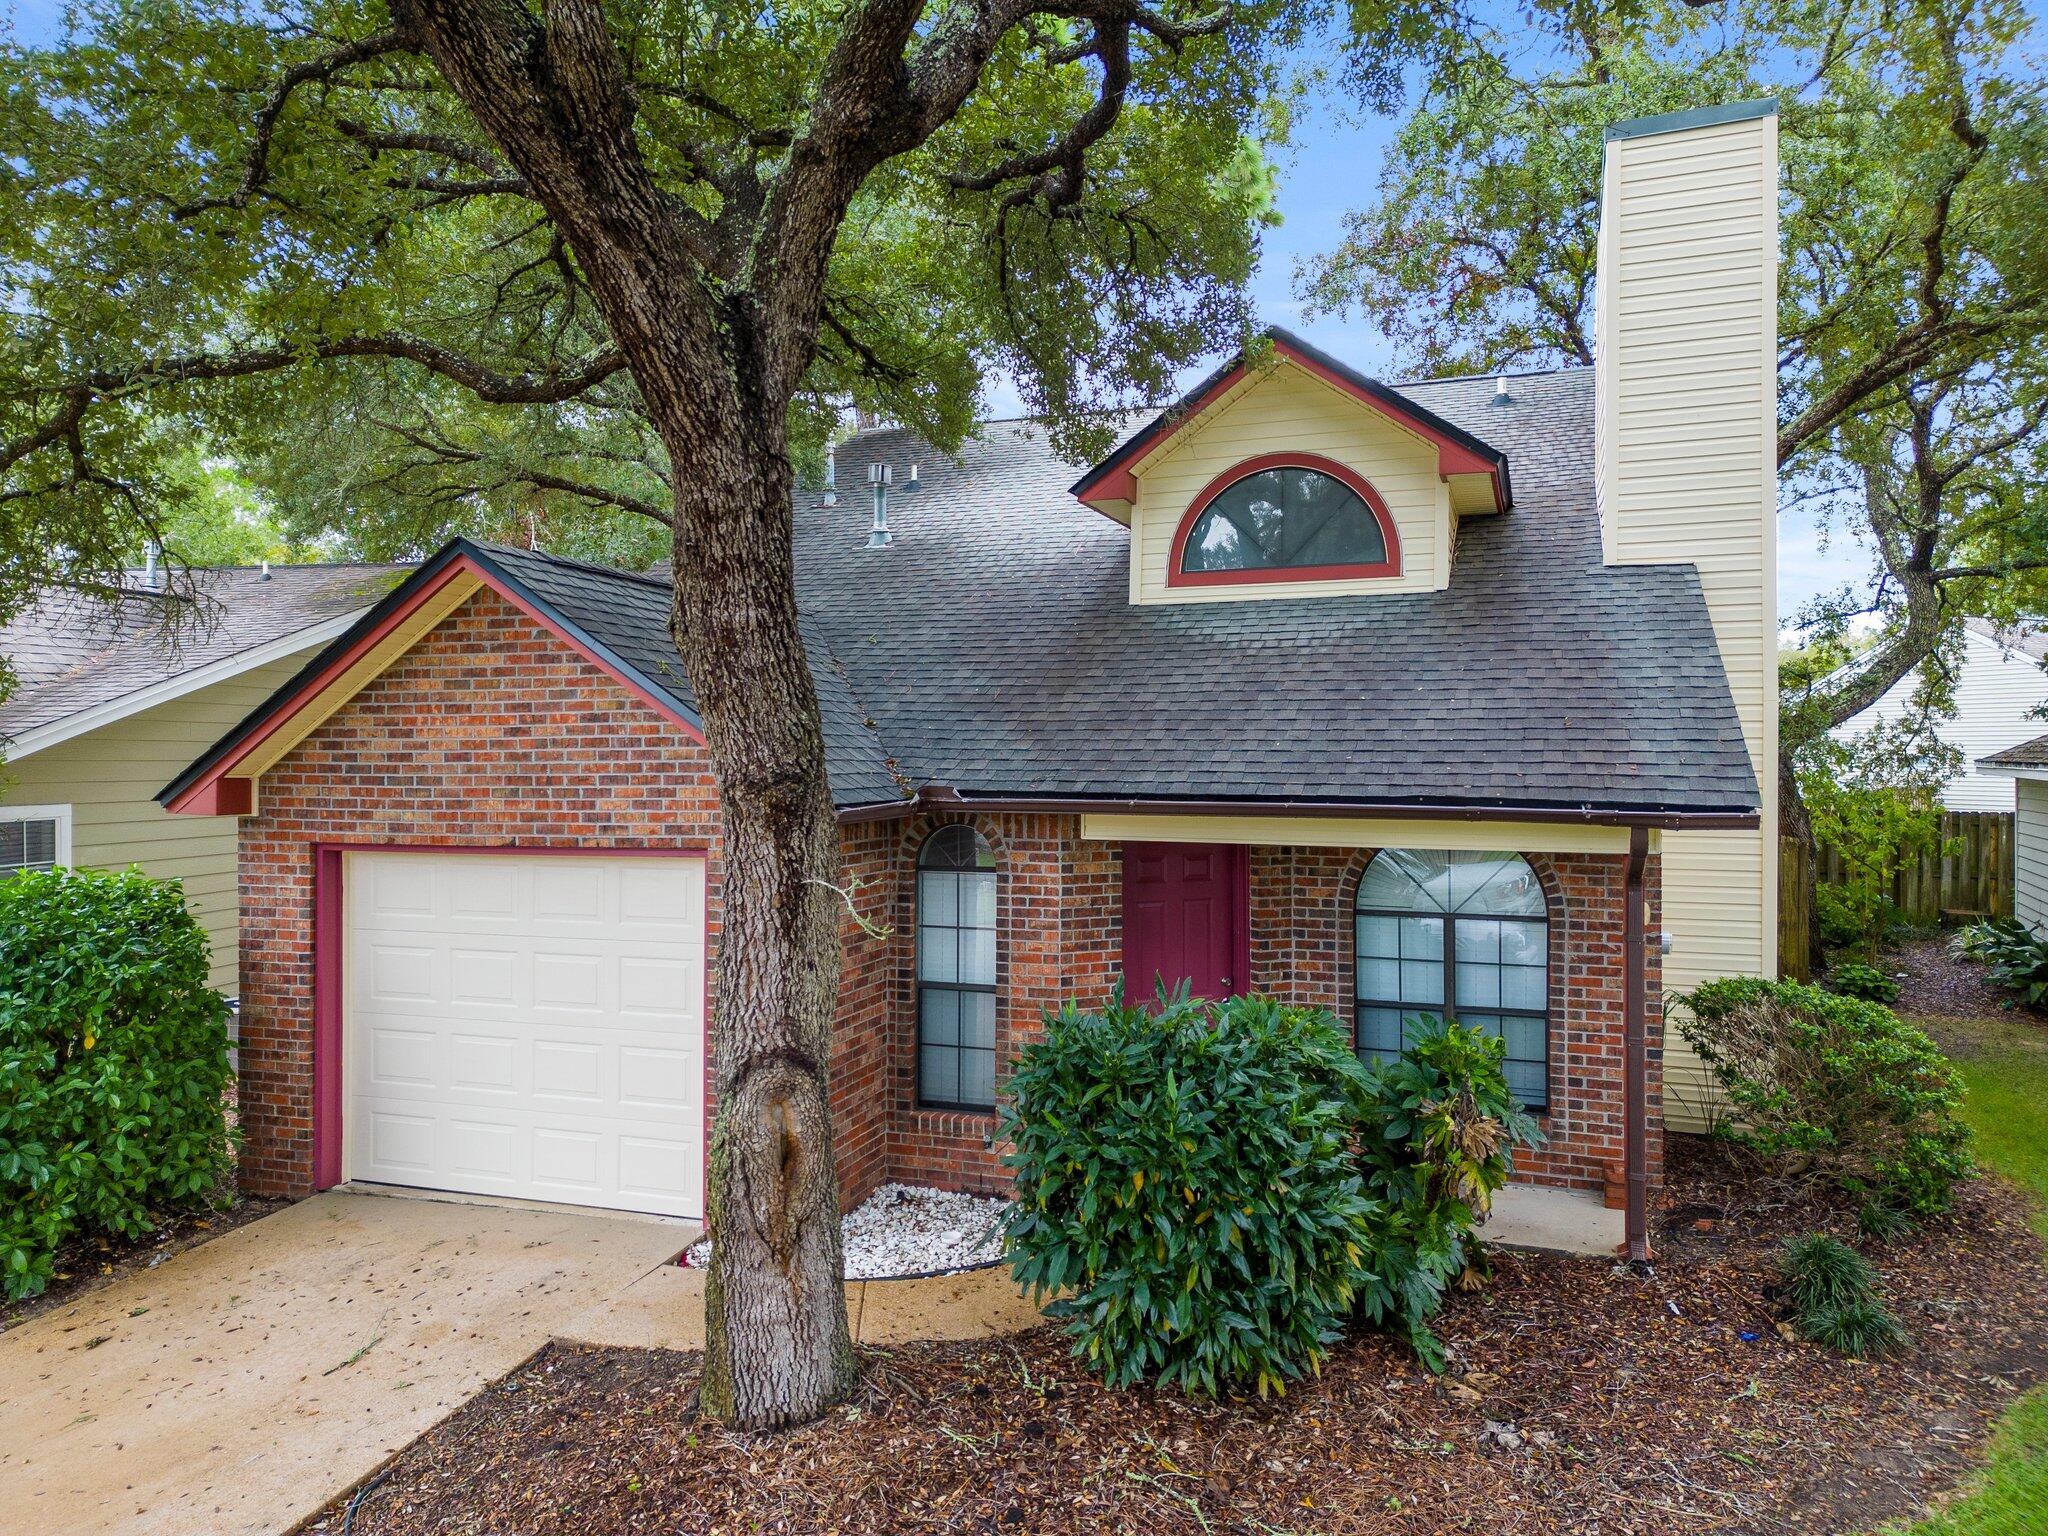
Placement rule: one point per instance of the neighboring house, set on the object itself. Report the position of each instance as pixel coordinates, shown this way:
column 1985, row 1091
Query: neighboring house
column 2025, row 767
column 1373, row 698
column 1999, row 686
column 112, row 697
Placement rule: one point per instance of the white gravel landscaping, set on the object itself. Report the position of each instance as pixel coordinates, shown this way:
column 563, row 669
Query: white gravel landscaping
column 906, row 1229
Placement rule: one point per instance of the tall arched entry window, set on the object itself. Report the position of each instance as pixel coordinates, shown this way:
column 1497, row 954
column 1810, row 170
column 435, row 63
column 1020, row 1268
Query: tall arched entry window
column 956, row 970
column 1458, row 932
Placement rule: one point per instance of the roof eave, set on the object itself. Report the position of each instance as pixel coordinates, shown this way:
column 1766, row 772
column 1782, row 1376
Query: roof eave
column 940, row 797
column 1113, row 481
column 95, row 717
column 195, row 790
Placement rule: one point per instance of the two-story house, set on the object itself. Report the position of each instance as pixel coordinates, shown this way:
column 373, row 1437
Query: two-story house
column 1391, row 699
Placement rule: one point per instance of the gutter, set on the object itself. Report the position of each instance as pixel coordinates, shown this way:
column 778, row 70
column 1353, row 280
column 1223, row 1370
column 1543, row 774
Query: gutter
column 1635, row 1135
column 944, row 797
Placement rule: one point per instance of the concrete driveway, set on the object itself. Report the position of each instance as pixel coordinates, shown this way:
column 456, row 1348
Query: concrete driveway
column 241, row 1384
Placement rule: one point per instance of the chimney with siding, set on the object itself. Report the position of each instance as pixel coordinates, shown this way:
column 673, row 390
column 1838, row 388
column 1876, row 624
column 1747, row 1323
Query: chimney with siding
column 1686, row 465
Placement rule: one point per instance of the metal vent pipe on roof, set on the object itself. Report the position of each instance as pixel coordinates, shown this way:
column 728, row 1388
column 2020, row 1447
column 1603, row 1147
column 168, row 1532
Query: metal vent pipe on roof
column 880, row 477
column 1500, row 389
column 831, row 496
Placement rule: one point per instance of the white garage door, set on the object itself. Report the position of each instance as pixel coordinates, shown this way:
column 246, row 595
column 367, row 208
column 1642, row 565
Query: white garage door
column 527, row 1026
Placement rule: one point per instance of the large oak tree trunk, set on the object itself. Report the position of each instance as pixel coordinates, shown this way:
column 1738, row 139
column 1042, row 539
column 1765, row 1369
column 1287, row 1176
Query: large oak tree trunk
column 718, row 349
column 778, row 1350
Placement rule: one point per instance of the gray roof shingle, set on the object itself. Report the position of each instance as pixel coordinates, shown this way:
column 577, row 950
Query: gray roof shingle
column 2028, row 754
column 71, row 654
column 996, row 648
column 993, row 650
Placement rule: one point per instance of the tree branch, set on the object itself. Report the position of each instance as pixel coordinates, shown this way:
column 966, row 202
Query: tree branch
column 257, row 167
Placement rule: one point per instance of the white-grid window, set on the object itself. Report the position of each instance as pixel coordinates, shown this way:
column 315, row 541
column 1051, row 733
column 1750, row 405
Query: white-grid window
column 34, row 837
column 956, row 971
column 1463, row 933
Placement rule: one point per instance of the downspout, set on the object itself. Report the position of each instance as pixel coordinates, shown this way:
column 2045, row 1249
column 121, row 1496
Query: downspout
column 1635, row 1053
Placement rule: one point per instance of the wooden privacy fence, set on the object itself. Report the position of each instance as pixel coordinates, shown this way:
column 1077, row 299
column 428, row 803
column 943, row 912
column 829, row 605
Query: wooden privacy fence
column 1973, row 880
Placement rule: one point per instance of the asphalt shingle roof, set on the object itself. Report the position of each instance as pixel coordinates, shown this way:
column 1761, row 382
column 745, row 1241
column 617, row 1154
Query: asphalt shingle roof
column 997, row 650
column 627, row 616
column 993, row 650
column 71, row 654
column 2028, row 754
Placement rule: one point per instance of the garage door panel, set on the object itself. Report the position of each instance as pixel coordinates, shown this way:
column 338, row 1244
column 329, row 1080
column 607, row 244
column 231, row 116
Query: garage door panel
column 530, row 1027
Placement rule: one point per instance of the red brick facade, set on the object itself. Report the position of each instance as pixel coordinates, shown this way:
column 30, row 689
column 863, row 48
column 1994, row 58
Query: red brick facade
column 491, row 732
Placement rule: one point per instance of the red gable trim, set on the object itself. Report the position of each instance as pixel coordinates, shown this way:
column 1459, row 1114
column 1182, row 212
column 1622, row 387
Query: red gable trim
column 220, row 792
column 1177, row 574
column 1113, row 479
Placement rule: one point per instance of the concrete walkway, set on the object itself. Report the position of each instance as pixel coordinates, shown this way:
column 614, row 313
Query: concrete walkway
column 244, row 1383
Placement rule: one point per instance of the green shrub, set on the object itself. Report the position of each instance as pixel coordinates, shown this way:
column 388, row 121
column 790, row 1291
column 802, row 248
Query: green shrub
column 1823, row 1271
column 113, row 1063
column 1990, row 939
column 1851, row 923
column 1832, row 1088
column 1832, row 1291
column 1217, row 1187
column 1852, row 978
column 1436, row 1150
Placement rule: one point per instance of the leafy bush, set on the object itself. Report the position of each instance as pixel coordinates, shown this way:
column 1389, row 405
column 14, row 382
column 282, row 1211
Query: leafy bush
column 1848, row 923
column 1190, row 1177
column 1833, row 1294
column 1875, row 800
column 1990, row 939
column 1852, row 978
column 2016, row 957
column 113, row 1062
column 1832, row 1088
column 1219, row 1186
column 1436, row 1150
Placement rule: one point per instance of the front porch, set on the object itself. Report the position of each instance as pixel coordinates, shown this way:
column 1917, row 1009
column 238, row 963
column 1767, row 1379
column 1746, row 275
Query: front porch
column 1519, row 927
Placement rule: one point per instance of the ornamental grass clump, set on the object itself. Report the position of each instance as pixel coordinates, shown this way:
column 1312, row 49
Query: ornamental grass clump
column 1832, row 1089
column 1207, row 1192
column 113, row 1063
column 1833, row 1295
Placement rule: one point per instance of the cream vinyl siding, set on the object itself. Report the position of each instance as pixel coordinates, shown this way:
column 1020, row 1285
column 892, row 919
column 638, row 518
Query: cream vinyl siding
column 1996, row 688
column 1279, row 409
column 1686, row 466
column 110, row 777
column 2030, row 854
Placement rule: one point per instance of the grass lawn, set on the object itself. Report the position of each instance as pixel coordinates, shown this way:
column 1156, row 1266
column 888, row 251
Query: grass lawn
column 2004, row 1065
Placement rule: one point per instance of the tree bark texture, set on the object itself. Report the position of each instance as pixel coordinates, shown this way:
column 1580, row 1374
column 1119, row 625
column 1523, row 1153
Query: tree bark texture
column 716, row 383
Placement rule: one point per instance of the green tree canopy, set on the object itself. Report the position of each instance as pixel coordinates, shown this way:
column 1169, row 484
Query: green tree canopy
column 413, row 265
column 1914, row 285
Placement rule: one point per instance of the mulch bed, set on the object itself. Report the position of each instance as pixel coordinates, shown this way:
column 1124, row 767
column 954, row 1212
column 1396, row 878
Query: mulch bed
column 1583, row 1399
column 1934, row 983
column 96, row 1260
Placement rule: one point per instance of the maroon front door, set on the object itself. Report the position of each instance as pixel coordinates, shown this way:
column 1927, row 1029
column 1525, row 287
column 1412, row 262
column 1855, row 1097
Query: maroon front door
column 1185, row 918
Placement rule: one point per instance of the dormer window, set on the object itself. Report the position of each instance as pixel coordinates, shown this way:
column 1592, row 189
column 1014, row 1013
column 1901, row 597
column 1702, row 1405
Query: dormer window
column 1285, row 517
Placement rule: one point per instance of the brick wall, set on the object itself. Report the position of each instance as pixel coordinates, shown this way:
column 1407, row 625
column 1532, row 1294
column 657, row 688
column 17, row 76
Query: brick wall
column 1303, row 899
column 490, row 731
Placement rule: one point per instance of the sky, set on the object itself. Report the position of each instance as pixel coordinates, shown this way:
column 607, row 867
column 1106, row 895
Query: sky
column 1331, row 166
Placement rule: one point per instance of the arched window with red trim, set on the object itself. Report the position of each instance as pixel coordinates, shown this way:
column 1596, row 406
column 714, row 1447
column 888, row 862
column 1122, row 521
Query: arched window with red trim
column 1285, row 517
